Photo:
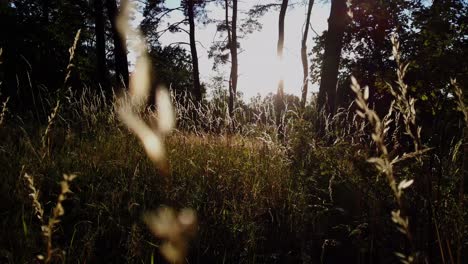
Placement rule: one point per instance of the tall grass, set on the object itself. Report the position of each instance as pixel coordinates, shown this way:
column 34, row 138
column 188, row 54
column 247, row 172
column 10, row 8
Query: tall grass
column 246, row 188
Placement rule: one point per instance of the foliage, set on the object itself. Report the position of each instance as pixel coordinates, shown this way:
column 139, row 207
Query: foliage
column 172, row 67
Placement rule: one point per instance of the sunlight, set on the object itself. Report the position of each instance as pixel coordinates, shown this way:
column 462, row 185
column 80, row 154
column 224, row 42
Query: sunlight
column 259, row 70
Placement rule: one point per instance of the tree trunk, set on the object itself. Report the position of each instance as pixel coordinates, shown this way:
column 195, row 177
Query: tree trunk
column 234, row 63
column 100, row 45
column 45, row 12
column 331, row 59
column 279, row 104
column 193, row 51
column 282, row 15
column 120, row 45
column 228, row 29
column 305, row 62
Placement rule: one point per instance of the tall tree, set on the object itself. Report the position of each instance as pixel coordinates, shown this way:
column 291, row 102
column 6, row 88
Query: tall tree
column 120, row 45
column 332, row 56
column 282, row 16
column 279, row 51
column 229, row 40
column 226, row 48
column 154, row 13
column 100, row 44
column 305, row 61
column 172, row 66
column 193, row 10
column 368, row 36
column 233, row 49
column 190, row 9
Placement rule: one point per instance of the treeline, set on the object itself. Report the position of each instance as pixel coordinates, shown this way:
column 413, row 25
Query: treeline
column 36, row 35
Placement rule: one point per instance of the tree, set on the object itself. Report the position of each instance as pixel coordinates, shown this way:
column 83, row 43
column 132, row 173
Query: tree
column 193, row 10
column 120, row 44
column 282, row 16
column 432, row 38
column 190, row 10
column 172, row 68
column 232, row 40
column 227, row 49
column 305, row 61
column 102, row 74
column 173, row 55
column 438, row 46
column 36, row 38
column 256, row 12
column 154, row 13
column 367, row 51
column 279, row 51
column 332, row 55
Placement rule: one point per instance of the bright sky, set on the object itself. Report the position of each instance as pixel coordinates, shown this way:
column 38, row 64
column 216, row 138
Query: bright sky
column 258, row 64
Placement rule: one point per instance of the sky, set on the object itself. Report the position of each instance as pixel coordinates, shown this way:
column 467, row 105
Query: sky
column 259, row 69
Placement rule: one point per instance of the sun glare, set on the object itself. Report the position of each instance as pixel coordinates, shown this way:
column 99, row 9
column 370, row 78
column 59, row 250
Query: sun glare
column 259, row 69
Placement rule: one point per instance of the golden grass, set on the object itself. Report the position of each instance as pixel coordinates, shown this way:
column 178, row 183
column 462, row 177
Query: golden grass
column 165, row 223
column 403, row 104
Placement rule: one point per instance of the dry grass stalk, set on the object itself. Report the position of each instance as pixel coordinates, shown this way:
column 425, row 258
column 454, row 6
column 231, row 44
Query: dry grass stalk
column 54, row 219
column 404, row 103
column 130, row 107
column 4, row 111
column 71, row 51
column 464, row 174
column 58, row 211
column 4, row 104
column 174, row 229
column 47, row 230
column 460, row 100
column 34, row 194
column 51, row 118
column 383, row 163
column 50, row 122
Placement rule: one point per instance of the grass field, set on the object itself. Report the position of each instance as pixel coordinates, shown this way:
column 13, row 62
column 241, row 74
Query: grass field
column 257, row 199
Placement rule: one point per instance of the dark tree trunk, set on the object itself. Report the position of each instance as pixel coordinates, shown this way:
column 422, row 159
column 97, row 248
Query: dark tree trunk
column 228, row 29
column 45, row 12
column 120, row 45
column 332, row 55
column 193, row 51
column 279, row 104
column 305, row 62
column 234, row 63
column 282, row 15
column 100, row 45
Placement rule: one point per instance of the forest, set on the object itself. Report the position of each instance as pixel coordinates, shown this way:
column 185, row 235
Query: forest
column 142, row 131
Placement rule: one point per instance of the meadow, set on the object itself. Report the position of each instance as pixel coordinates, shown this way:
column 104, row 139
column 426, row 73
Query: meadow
column 305, row 198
